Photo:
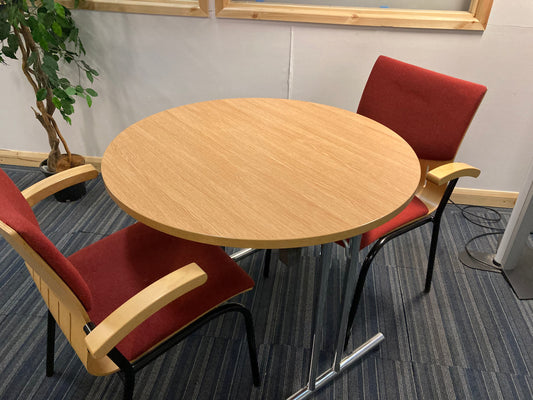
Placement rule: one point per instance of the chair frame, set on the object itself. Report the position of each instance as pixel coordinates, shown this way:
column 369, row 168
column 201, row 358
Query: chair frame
column 437, row 184
column 95, row 345
column 129, row 369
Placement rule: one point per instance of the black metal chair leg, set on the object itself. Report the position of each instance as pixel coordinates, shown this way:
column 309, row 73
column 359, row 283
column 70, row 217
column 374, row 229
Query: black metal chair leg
column 358, row 292
column 126, row 368
column 266, row 267
column 50, row 344
column 129, row 384
column 435, row 219
column 250, row 335
column 432, row 253
column 366, row 266
column 435, row 233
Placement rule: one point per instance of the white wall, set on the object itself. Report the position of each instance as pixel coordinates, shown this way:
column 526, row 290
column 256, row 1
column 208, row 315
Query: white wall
column 149, row 63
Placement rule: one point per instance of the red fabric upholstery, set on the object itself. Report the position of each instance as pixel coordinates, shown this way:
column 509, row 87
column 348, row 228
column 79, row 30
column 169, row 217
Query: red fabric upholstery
column 120, row 265
column 415, row 209
column 16, row 212
column 431, row 111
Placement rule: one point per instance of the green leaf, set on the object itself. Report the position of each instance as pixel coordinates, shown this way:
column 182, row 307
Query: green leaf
column 57, row 29
column 41, row 94
column 9, row 52
column 79, row 90
column 5, row 28
column 53, row 80
column 73, row 35
column 49, row 4
column 70, row 91
column 64, row 83
column 45, row 17
column 32, row 23
column 13, row 43
column 91, row 92
column 56, row 102
column 50, row 60
column 68, row 109
column 60, row 94
column 60, row 10
column 89, row 101
column 41, row 36
column 50, row 66
column 88, row 73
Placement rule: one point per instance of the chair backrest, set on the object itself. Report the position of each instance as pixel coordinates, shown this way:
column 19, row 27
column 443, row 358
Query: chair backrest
column 430, row 110
column 17, row 214
column 63, row 289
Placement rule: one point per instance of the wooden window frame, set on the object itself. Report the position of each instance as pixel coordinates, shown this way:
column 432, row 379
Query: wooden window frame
column 189, row 8
column 475, row 18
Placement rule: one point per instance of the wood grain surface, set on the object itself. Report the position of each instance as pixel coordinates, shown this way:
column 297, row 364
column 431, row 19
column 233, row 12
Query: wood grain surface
column 262, row 173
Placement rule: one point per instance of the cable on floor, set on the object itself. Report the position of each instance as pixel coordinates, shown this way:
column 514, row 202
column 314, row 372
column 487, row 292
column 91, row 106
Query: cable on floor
column 475, row 219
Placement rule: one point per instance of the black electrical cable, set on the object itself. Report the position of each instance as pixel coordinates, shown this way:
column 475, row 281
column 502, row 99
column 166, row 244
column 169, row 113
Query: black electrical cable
column 470, row 216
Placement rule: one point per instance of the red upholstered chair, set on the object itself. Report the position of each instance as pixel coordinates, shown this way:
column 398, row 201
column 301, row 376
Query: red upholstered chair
column 432, row 112
column 125, row 299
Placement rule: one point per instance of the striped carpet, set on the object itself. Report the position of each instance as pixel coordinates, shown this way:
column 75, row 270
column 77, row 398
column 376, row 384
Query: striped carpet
column 470, row 338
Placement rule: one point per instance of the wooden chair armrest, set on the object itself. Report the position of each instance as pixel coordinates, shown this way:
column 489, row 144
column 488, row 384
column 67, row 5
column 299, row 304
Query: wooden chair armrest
column 48, row 186
column 141, row 306
column 450, row 171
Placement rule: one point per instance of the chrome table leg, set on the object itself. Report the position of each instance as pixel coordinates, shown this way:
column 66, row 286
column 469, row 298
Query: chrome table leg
column 240, row 254
column 339, row 363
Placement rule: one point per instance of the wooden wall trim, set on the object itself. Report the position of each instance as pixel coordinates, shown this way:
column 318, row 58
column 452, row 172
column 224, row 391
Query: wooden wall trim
column 477, row 197
column 488, row 198
column 33, row 159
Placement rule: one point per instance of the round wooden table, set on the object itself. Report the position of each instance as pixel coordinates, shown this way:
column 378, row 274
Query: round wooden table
column 266, row 173
column 261, row 173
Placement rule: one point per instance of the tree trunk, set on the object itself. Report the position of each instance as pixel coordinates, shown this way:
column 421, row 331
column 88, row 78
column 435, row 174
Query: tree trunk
column 38, row 80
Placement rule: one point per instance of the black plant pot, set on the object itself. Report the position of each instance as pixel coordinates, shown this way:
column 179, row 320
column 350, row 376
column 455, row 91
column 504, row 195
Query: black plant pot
column 72, row 193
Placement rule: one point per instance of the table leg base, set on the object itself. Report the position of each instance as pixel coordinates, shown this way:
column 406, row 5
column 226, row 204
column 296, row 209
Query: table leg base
column 331, row 374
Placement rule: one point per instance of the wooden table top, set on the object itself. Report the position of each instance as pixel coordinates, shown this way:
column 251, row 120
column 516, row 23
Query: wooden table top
column 261, row 173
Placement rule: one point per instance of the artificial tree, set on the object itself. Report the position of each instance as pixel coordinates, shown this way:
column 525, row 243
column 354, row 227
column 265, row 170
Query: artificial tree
column 43, row 34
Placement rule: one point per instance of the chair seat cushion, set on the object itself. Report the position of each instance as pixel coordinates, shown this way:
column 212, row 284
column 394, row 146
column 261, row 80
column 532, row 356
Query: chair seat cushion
column 414, row 210
column 122, row 264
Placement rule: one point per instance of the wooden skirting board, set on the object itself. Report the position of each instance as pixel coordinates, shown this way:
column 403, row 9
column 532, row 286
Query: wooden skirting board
column 477, row 197
column 488, row 198
column 33, row 159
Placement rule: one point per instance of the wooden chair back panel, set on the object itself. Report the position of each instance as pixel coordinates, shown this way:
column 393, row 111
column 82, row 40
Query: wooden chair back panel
column 69, row 313
column 71, row 324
